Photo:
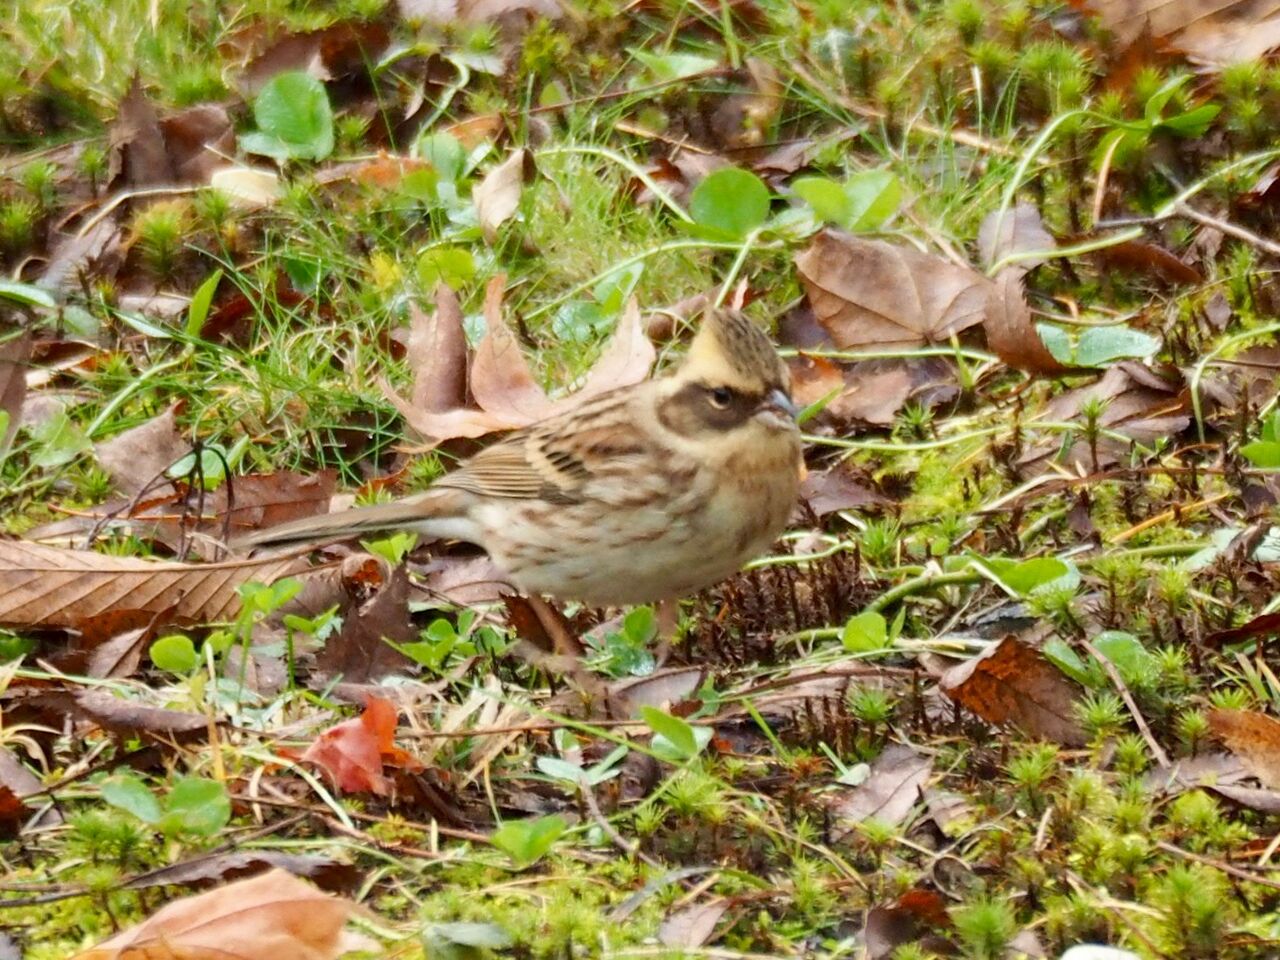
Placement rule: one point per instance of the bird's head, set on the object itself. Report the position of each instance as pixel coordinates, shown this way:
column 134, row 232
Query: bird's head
column 732, row 377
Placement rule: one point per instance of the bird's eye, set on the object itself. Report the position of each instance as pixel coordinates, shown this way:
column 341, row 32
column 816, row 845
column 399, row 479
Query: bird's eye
column 721, row 397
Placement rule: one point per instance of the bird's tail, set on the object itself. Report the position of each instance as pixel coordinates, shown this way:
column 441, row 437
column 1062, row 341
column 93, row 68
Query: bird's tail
column 429, row 513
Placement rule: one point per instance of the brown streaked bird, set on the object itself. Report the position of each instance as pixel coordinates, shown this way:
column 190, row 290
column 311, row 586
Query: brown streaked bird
column 647, row 493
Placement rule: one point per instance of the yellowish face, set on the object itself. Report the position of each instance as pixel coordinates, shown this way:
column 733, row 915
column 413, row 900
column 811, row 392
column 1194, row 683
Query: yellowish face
column 731, row 380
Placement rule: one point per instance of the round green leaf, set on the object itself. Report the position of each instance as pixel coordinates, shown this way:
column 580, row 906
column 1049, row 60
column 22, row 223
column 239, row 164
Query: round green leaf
column 828, row 199
column 730, row 201
column 196, row 806
column 873, row 197
column 293, row 117
column 126, row 791
column 175, row 653
column 454, row 266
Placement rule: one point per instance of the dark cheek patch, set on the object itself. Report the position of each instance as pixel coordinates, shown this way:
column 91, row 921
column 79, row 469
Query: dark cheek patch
column 691, row 411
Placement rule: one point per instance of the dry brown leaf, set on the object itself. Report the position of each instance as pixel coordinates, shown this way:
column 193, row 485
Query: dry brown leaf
column 271, row 915
column 868, row 293
column 438, row 355
column 625, row 360
column 478, row 11
column 1012, row 683
column 814, row 378
column 839, row 488
column 501, row 381
column 261, row 500
column 125, row 718
column 1139, row 256
column 1214, row 31
column 1252, row 736
column 341, row 49
column 121, row 655
column 360, row 651
column 1140, row 403
column 889, row 792
column 473, row 11
column 198, row 140
column 139, row 156
column 1020, row 230
column 1011, row 332
column 221, row 868
column 63, row 589
column 693, row 926
column 97, row 252
column 497, row 196
column 14, row 356
column 140, row 455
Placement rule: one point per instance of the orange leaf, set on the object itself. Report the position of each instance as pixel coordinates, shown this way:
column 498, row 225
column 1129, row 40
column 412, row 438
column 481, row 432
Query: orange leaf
column 352, row 752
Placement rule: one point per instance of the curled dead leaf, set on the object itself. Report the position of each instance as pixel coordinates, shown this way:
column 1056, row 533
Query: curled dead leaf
column 438, row 354
column 1012, row 334
column 497, row 196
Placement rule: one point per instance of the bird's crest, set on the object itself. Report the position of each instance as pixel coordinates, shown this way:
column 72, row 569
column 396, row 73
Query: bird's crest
column 731, row 350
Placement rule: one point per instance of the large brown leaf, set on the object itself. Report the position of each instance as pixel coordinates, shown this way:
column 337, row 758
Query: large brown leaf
column 1011, row 683
column 63, row 589
column 1215, row 31
column 501, row 382
column 438, row 354
column 271, row 915
column 868, row 293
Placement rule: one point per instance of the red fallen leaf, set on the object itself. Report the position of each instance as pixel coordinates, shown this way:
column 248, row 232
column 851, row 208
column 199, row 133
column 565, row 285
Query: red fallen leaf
column 353, row 752
column 1012, row 683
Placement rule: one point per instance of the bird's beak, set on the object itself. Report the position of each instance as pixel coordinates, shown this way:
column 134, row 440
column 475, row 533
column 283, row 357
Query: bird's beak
column 778, row 410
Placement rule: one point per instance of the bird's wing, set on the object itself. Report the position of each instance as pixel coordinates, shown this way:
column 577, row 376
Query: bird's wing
column 555, row 461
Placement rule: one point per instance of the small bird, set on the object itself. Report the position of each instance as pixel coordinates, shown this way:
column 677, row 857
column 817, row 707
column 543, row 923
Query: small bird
column 643, row 494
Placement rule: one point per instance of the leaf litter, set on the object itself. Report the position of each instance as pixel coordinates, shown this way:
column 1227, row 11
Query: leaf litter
column 873, row 646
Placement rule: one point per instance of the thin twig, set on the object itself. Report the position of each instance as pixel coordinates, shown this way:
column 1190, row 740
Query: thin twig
column 1157, row 751
column 1237, row 872
column 1229, row 228
column 630, row 849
